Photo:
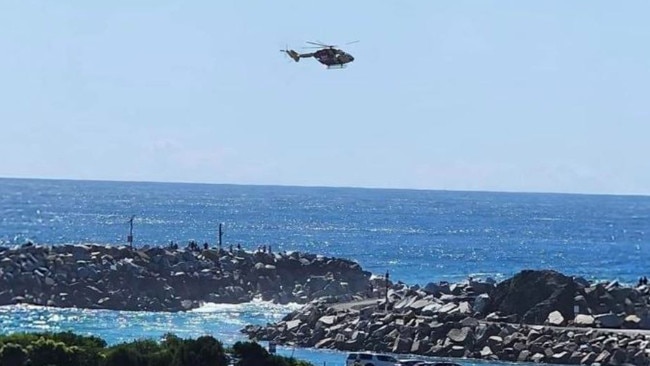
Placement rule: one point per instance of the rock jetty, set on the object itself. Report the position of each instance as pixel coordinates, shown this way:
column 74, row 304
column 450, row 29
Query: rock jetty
column 160, row 279
column 535, row 316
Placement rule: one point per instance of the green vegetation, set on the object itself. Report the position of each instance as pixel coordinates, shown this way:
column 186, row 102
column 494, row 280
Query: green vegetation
column 69, row 349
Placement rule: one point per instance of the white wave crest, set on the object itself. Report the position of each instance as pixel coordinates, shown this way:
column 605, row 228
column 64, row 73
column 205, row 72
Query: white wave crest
column 256, row 304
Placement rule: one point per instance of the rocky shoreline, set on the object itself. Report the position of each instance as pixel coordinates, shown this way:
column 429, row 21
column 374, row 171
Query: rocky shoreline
column 535, row 316
column 97, row 276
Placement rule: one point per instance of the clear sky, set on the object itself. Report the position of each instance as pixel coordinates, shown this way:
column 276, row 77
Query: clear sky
column 545, row 96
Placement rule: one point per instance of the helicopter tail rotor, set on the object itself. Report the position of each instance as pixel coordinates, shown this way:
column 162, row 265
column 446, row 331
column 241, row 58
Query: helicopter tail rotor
column 291, row 53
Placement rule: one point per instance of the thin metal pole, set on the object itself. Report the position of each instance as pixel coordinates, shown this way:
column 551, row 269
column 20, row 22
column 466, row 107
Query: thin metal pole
column 220, row 233
column 386, row 303
column 130, row 237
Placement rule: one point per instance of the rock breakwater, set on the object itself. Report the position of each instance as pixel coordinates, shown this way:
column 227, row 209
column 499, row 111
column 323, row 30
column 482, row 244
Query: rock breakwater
column 160, row 279
column 535, row 316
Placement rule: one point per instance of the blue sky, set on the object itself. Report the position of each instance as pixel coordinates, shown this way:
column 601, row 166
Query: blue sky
column 547, row 96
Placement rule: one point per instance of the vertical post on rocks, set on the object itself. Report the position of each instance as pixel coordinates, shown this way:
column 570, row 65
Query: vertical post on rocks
column 220, row 234
column 386, row 303
column 129, row 238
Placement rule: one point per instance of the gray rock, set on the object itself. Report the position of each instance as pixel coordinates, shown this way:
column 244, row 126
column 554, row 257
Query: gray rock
column 448, row 308
column 480, row 303
column 486, row 351
column 583, row 320
column 402, row 344
column 324, row 343
column 523, row 356
column 602, row 358
column 608, row 320
column 555, row 318
column 459, row 336
column 293, row 324
column 327, row 320
column 632, row 322
column 431, row 309
column 538, row 358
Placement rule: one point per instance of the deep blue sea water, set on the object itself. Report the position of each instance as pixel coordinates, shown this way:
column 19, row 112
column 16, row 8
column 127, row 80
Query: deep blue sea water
column 418, row 236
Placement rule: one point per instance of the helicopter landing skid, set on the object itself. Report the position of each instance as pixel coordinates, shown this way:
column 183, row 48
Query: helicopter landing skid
column 340, row 66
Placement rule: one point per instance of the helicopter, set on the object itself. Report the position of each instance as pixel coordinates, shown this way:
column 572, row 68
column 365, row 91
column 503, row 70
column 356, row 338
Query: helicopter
column 328, row 55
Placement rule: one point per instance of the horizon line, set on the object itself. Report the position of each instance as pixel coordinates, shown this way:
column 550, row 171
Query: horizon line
column 323, row 186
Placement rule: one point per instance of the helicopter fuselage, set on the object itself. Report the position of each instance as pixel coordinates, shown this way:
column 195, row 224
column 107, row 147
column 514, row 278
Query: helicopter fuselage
column 333, row 57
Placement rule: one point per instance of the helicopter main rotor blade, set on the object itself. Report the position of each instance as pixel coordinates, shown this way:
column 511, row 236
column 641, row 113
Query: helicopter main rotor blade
column 320, row 44
column 330, row 45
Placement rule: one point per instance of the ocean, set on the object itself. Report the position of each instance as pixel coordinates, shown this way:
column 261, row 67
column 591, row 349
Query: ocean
column 417, row 236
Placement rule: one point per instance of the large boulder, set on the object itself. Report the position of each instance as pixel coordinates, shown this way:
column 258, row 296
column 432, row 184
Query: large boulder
column 532, row 295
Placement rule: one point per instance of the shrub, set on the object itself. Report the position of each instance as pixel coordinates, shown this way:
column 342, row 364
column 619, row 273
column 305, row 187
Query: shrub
column 144, row 352
column 124, row 356
column 12, row 354
column 250, row 354
column 204, row 351
column 47, row 352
